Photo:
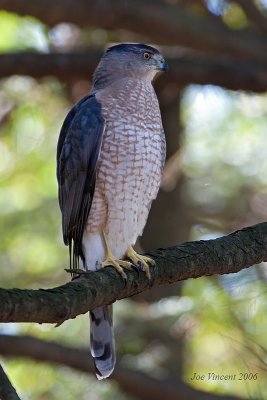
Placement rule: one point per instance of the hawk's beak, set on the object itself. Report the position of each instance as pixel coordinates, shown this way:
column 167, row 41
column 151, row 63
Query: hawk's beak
column 161, row 64
column 164, row 66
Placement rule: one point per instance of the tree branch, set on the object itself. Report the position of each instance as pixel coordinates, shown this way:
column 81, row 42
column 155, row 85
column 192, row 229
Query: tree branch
column 168, row 23
column 253, row 14
column 184, row 69
column 129, row 380
column 224, row 255
column 62, row 65
column 7, row 391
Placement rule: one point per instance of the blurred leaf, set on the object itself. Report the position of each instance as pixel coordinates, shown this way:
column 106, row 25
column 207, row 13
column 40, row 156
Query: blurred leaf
column 21, row 33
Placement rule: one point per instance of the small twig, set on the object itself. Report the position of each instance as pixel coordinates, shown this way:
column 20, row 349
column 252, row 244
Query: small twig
column 7, row 391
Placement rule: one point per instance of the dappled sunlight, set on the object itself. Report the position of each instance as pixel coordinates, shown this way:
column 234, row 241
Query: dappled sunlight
column 223, row 152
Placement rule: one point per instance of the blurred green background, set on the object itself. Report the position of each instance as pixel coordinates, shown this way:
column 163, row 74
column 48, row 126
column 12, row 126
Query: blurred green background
column 218, row 176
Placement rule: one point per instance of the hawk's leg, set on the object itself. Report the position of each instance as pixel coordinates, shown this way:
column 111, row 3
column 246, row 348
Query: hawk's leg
column 111, row 260
column 140, row 261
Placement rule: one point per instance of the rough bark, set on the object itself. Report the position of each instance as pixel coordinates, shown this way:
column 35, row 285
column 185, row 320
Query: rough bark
column 129, row 380
column 157, row 20
column 184, row 69
column 224, row 255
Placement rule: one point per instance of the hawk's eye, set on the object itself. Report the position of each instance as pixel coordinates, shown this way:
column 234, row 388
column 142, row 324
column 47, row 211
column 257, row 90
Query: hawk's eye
column 147, row 56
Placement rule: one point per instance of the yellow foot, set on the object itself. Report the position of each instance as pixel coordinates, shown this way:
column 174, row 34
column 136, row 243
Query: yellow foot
column 139, row 261
column 117, row 264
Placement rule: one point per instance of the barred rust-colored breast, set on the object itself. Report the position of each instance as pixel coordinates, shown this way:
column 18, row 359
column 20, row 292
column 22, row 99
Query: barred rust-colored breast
column 131, row 160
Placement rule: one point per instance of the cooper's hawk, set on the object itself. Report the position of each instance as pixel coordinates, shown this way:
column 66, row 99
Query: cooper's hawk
column 110, row 156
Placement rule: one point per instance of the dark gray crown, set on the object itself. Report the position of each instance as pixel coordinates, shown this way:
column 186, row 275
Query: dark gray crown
column 132, row 47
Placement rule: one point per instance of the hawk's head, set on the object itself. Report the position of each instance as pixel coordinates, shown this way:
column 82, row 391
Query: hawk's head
column 130, row 60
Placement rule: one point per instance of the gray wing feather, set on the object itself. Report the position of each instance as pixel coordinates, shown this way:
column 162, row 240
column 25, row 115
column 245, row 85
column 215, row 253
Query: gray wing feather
column 77, row 155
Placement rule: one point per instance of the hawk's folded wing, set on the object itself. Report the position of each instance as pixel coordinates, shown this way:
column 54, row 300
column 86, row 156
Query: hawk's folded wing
column 77, row 155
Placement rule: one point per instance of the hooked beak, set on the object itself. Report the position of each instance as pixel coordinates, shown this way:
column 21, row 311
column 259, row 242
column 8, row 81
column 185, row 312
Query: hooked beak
column 161, row 64
column 164, row 67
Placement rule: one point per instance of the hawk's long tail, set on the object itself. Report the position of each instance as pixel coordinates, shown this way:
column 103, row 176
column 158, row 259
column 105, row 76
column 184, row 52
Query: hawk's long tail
column 102, row 341
column 101, row 323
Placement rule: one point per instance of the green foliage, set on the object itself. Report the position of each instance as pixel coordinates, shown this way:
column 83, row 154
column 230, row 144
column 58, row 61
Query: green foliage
column 19, row 33
column 228, row 324
column 28, row 193
column 224, row 157
column 234, row 16
column 225, row 163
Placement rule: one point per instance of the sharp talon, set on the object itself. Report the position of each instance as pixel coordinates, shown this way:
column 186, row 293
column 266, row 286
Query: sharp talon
column 143, row 263
column 134, row 267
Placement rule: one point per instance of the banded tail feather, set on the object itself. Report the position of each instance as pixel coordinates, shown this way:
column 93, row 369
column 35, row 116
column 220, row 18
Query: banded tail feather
column 102, row 341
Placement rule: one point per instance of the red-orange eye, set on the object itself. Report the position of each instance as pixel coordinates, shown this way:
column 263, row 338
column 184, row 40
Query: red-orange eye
column 147, row 56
